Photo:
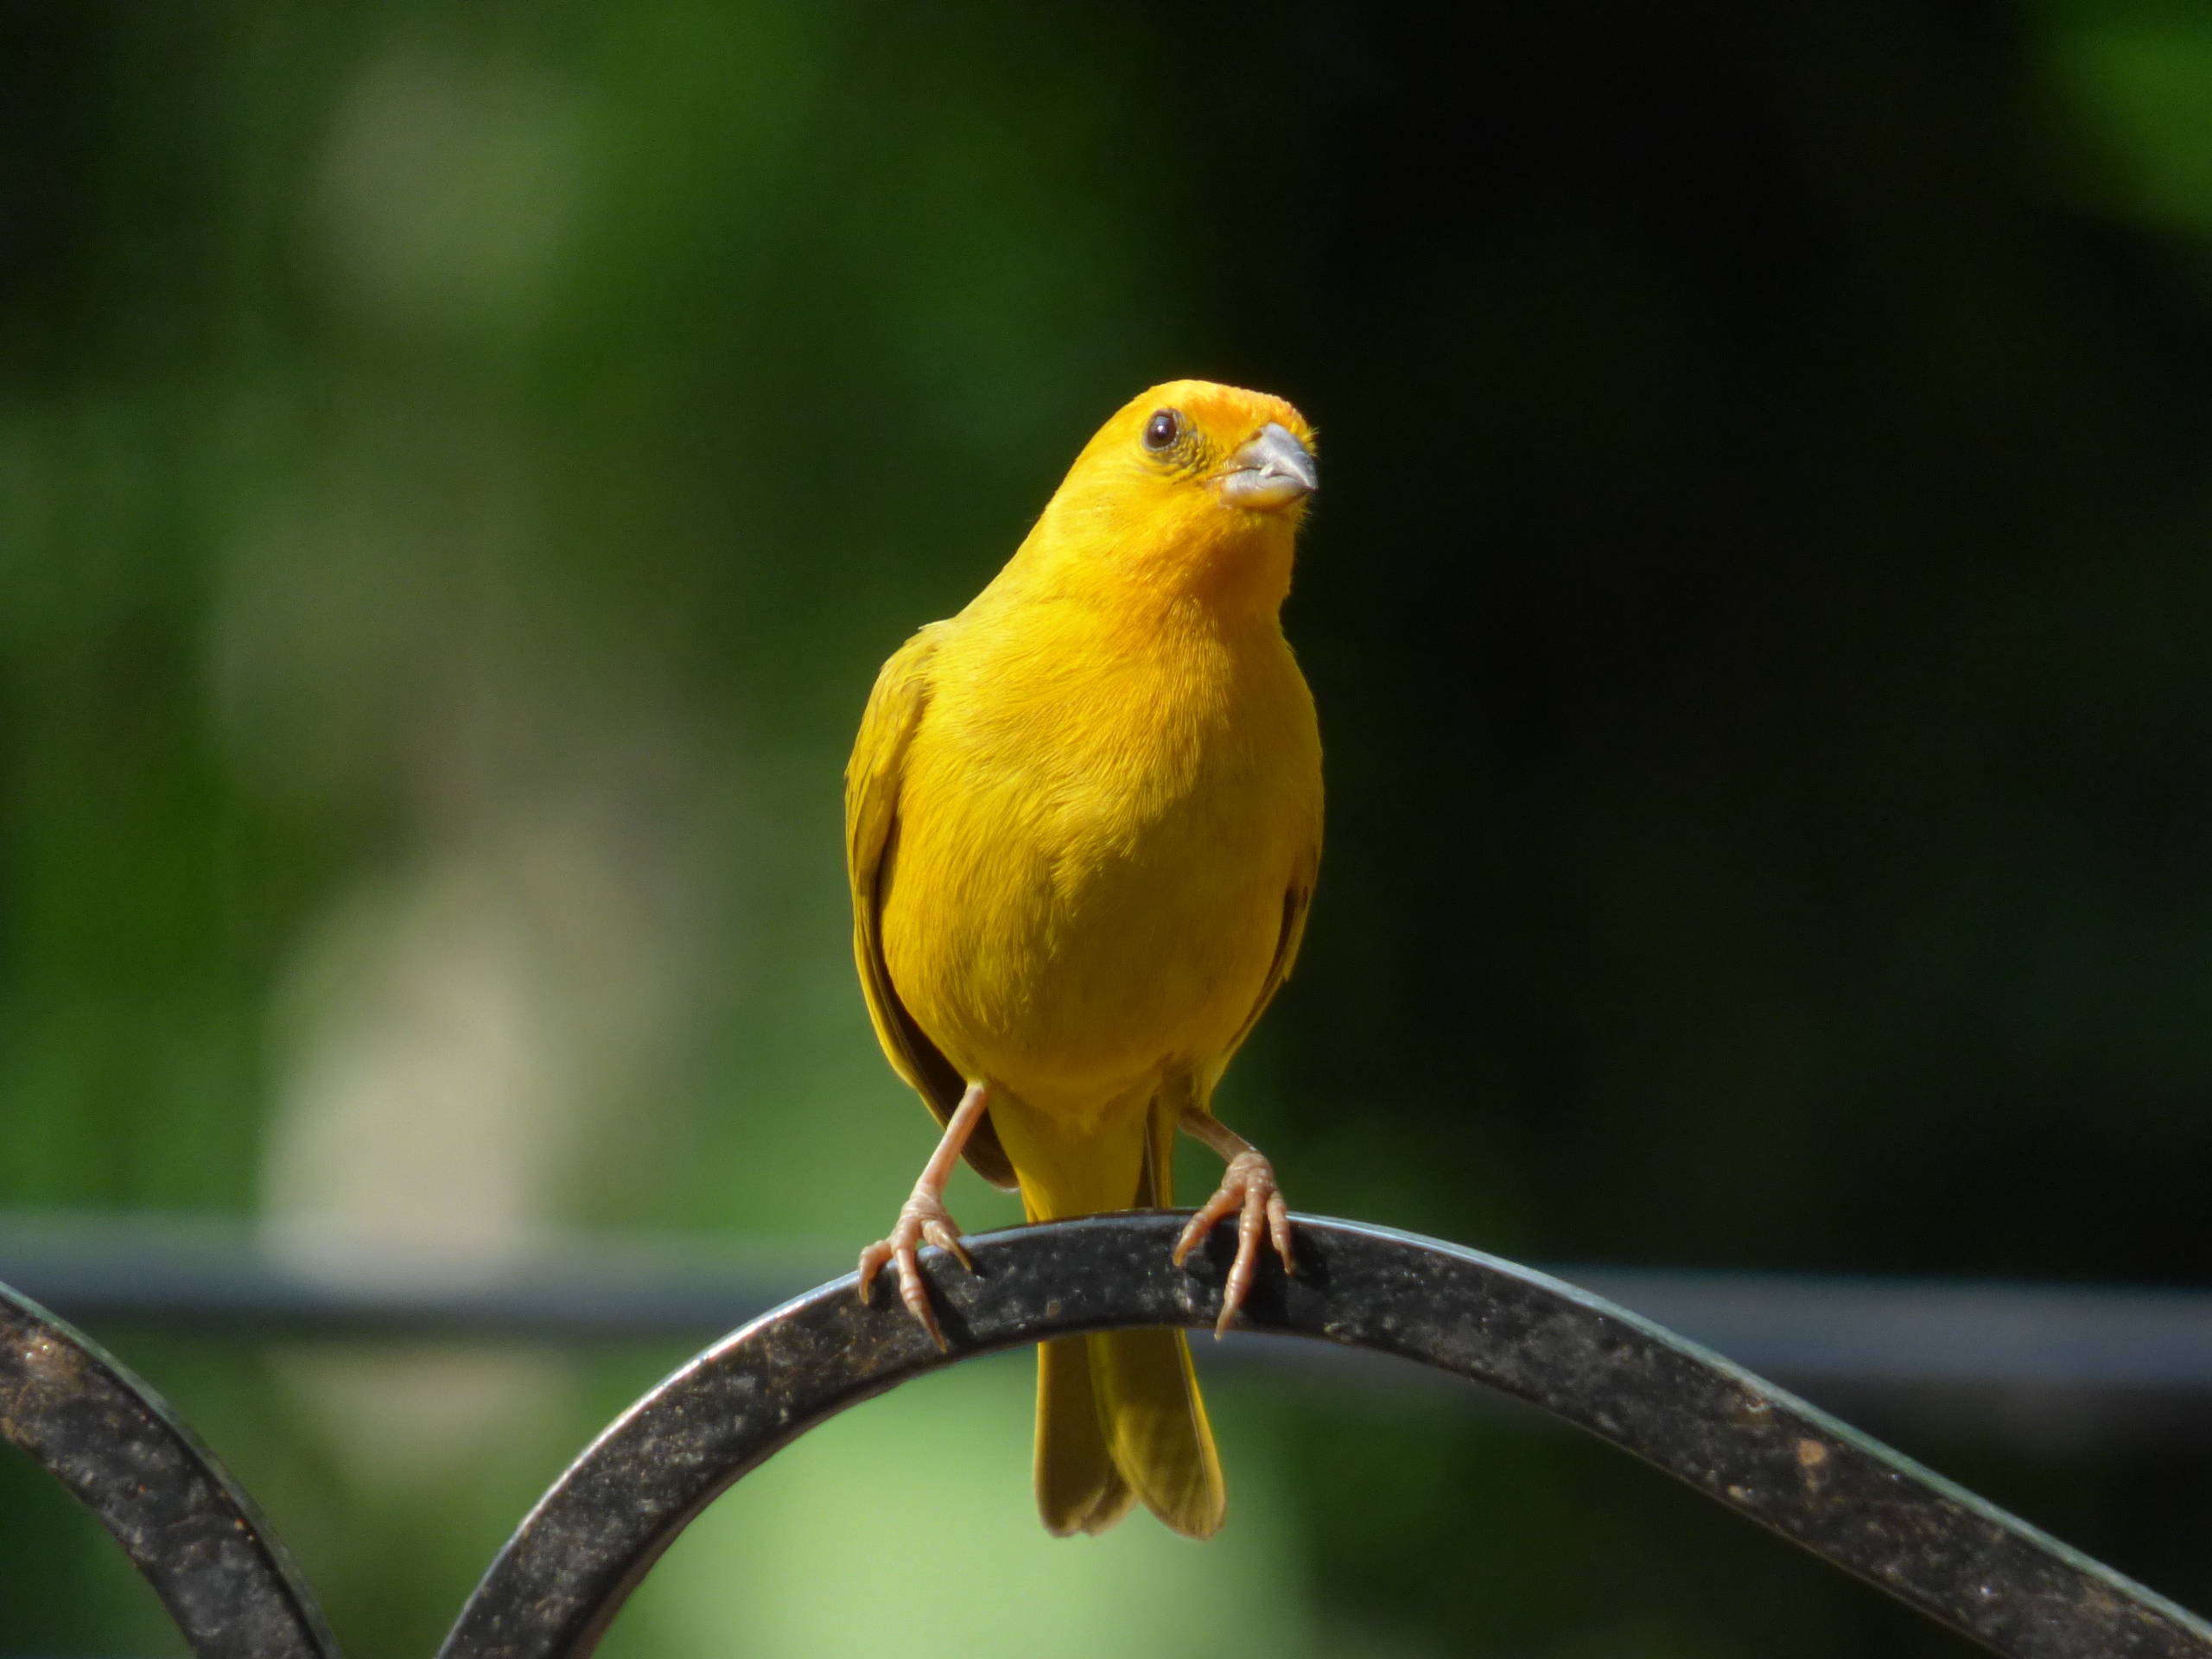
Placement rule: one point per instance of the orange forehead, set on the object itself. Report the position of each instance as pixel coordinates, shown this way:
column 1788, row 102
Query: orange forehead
column 1226, row 414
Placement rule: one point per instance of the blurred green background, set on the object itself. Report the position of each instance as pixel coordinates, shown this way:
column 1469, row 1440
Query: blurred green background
column 461, row 465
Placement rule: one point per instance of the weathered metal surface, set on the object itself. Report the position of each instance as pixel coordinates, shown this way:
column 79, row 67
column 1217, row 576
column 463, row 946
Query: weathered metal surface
column 1734, row 1437
column 2035, row 1366
column 185, row 1525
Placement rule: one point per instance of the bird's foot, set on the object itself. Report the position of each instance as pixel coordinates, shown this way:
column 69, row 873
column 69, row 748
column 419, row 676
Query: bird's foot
column 922, row 1219
column 1248, row 1190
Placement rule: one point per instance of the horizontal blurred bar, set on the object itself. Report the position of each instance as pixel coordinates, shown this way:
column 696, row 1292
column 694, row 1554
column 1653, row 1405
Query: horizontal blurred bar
column 1875, row 1343
column 204, row 1273
column 1926, row 1330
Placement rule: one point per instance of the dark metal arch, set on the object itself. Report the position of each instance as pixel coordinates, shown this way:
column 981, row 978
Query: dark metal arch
column 1742, row 1441
column 187, row 1527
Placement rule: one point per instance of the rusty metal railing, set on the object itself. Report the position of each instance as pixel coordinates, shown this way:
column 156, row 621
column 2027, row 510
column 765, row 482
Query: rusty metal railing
column 1743, row 1442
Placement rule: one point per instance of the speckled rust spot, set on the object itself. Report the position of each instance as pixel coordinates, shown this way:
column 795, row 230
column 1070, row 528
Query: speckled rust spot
column 56, row 1363
column 1811, row 1455
column 35, row 1367
column 1749, row 1411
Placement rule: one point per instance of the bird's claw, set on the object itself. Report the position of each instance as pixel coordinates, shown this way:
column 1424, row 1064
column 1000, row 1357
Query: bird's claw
column 922, row 1219
column 1248, row 1190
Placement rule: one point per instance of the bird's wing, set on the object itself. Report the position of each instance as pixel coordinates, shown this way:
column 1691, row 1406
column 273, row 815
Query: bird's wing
column 1297, row 899
column 872, row 777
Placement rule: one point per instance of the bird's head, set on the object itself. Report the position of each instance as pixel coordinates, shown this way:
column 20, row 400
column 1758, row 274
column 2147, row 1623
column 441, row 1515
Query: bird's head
column 1192, row 486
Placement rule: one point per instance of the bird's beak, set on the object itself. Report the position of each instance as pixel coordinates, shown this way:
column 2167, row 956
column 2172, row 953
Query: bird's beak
column 1272, row 470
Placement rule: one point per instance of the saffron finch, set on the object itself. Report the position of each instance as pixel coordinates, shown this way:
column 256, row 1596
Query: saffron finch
column 1083, row 824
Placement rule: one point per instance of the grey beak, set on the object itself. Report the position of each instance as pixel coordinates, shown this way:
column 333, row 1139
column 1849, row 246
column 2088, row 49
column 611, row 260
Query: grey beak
column 1272, row 470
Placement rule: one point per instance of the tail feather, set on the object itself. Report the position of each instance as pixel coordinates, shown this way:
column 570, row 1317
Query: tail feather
column 1156, row 1429
column 1078, row 1487
column 1119, row 1416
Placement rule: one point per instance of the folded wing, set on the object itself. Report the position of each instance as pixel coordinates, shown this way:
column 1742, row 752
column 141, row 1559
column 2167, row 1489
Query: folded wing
column 873, row 778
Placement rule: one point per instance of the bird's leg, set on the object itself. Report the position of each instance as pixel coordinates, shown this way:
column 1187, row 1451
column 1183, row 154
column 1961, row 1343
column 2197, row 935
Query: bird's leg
column 924, row 1218
column 1248, row 1190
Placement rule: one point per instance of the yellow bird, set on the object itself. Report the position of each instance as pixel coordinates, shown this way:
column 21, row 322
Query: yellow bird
column 1083, row 821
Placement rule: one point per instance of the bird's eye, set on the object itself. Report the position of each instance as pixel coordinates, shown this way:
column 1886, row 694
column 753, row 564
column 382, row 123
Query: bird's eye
column 1162, row 429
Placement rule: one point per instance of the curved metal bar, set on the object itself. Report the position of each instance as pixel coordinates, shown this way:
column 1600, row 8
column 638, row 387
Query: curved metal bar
column 1738, row 1439
column 185, row 1523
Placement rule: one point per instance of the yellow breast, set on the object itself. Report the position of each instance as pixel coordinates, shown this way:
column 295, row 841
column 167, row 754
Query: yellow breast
column 1101, row 811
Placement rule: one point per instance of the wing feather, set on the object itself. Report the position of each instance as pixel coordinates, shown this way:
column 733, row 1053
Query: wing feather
column 872, row 800
column 1296, row 901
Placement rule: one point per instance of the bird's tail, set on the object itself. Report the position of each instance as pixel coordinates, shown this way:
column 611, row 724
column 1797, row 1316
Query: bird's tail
column 1119, row 1418
column 1118, row 1413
